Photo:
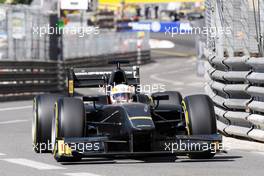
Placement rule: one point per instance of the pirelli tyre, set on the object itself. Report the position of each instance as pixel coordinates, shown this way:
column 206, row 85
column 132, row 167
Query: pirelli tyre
column 68, row 121
column 41, row 123
column 200, row 120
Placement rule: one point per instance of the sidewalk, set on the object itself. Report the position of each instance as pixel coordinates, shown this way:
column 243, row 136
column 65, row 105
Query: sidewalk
column 237, row 144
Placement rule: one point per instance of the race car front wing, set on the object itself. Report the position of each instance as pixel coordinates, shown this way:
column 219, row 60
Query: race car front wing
column 172, row 146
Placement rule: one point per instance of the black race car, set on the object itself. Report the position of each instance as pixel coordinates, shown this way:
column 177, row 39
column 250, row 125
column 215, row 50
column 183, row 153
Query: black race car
column 161, row 125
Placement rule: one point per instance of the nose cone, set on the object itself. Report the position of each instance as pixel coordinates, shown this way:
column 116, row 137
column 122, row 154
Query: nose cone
column 140, row 123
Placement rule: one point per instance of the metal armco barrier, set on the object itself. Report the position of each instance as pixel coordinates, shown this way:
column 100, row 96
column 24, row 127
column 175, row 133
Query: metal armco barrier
column 236, row 85
column 19, row 80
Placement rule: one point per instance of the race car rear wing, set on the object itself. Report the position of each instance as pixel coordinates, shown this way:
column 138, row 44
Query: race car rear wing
column 98, row 77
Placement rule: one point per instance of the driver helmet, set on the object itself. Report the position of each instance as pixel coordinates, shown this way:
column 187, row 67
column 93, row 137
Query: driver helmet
column 121, row 94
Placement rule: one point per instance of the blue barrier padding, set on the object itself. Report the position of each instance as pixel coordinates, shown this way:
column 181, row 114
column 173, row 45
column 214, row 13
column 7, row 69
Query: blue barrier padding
column 176, row 27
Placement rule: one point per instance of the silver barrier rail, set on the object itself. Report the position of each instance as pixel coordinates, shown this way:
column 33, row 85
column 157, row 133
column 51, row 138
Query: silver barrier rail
column 235, row 70
column 21, row 80
column 236, row 85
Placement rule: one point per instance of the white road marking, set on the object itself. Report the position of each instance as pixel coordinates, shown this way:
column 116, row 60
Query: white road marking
column 2, row 154
column 81, row 174
column 13, row 121
column 32, row 164
column 15, row 108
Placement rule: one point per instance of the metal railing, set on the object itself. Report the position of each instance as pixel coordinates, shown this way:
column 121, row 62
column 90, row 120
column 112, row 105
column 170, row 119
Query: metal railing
column 236, row 85
column 19, row 80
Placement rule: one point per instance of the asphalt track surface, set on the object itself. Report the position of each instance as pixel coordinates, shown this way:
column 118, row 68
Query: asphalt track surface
column 18, row 159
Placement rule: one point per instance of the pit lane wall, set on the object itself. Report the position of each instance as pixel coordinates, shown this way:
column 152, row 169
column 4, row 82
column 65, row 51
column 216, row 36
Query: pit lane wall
column 235, row 70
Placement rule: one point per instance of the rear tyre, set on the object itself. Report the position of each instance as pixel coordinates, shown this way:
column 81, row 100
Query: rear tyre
column 68, row 121
column 41, row 123
column 200, row 120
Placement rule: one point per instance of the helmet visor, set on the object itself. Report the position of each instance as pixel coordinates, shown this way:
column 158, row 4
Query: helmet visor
column 122, row 96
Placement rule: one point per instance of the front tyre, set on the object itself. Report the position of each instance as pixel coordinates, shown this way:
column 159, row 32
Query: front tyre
column 41, row 122
column 200, row 120
column 68, row 121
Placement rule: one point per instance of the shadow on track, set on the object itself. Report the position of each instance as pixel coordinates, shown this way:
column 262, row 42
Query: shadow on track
column 219, row 158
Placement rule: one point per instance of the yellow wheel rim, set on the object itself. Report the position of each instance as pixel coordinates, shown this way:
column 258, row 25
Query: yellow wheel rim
column 34, row 123
column 56, row 128
column 186, row 114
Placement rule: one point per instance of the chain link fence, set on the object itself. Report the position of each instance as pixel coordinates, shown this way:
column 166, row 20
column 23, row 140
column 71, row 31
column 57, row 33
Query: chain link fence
column 3, row 33
column 19, row 39
column 239, row 16
column 27, row 33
